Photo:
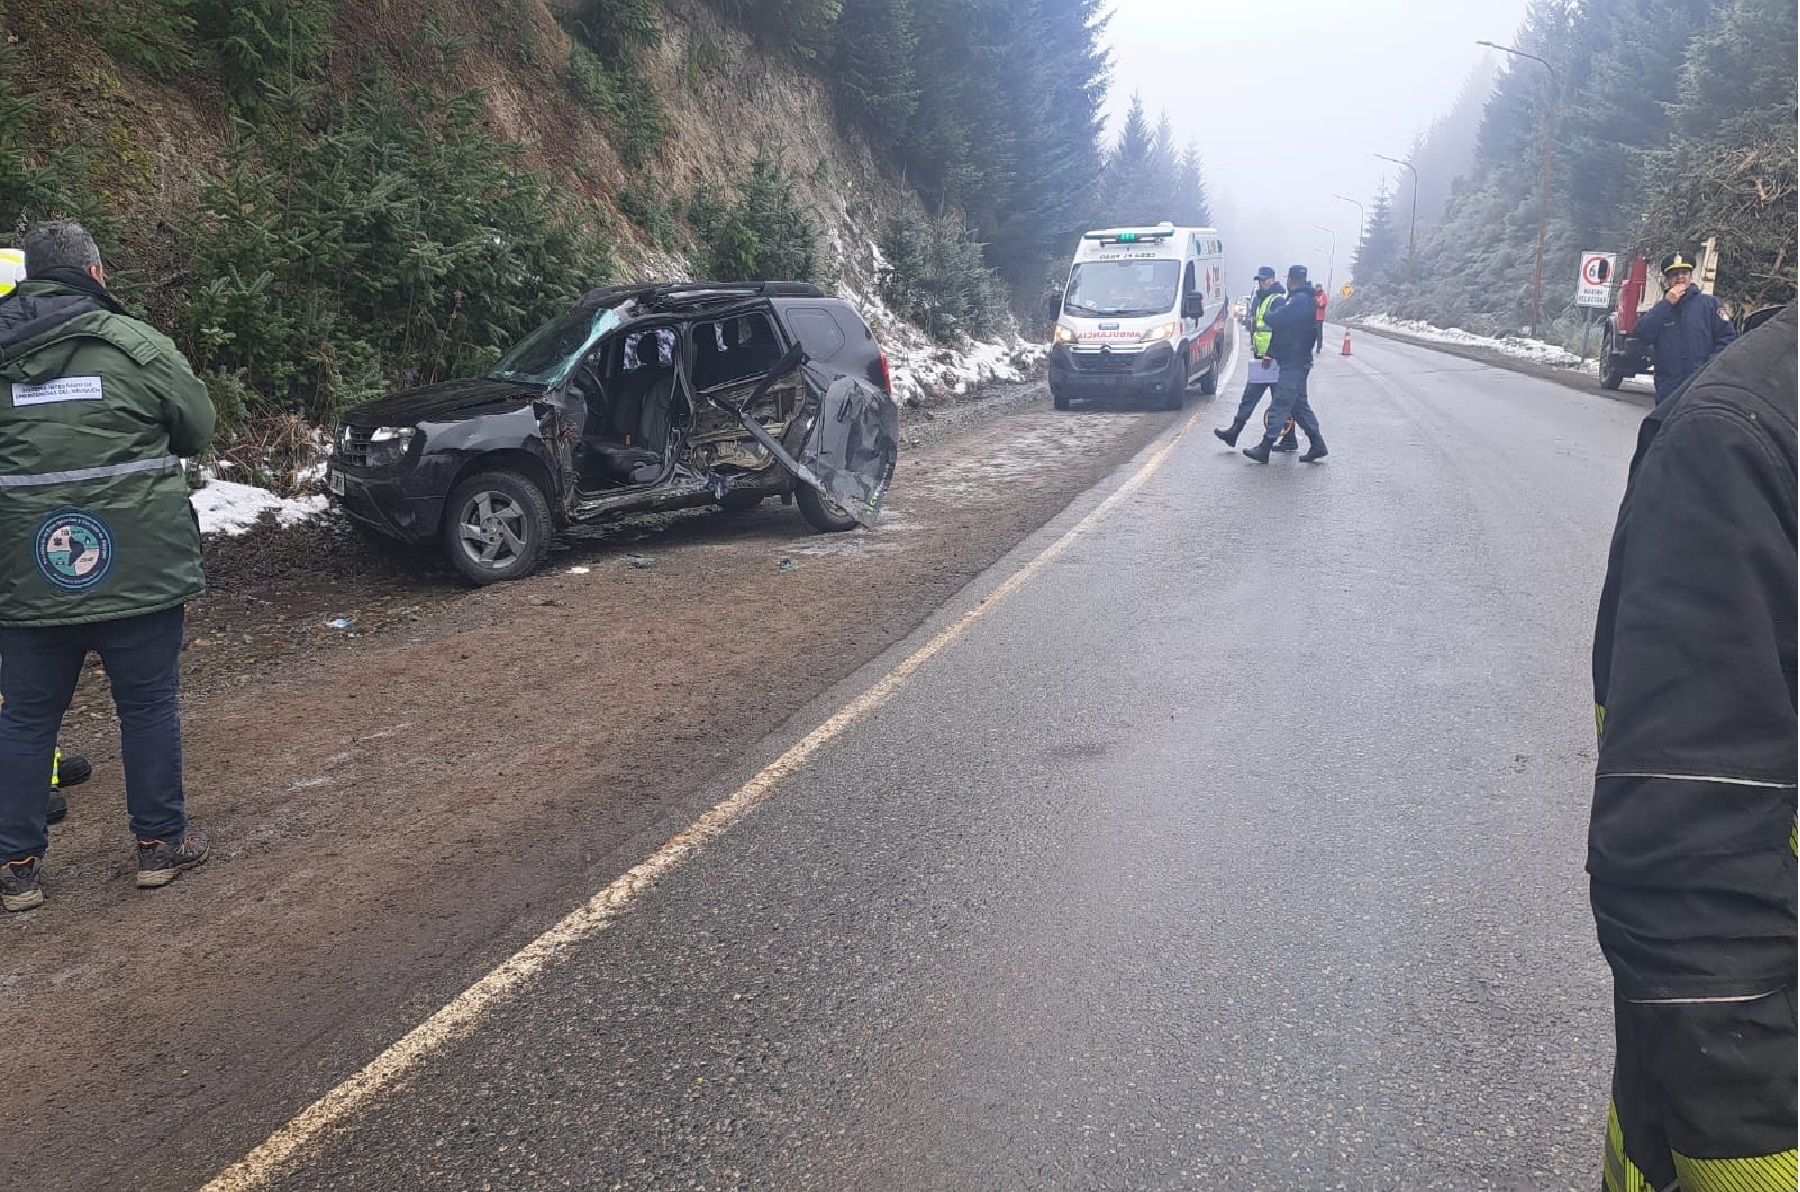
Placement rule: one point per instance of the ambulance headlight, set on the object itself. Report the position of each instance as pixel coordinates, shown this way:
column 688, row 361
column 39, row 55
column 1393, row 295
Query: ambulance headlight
column 1064, row 335
column 1161, row 332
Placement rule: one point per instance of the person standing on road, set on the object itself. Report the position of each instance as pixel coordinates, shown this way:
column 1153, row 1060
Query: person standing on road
column 1321, row 298
column 1268, row 291
column 1684, row 330
column 66, row 770
column 1691, row 843
column 99, row 548
column 1290, row 324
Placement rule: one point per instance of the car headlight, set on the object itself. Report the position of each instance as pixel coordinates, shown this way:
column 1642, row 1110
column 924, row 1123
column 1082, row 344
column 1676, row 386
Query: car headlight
column 1064, row 335
column 1161, row 332
column 387, row 445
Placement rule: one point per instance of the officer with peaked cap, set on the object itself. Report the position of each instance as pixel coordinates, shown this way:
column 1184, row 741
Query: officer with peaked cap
column 1683, row 331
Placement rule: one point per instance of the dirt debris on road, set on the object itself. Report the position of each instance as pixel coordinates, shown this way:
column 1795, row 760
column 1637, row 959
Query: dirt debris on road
column 406, row 779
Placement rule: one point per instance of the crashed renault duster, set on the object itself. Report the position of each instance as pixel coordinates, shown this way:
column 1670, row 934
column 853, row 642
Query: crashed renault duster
column 637, row 399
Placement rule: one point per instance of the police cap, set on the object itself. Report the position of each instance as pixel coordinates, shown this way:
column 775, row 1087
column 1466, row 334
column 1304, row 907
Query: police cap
column 1677, row 260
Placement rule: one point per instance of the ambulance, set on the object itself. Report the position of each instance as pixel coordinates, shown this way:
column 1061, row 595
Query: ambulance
column 1144, row 312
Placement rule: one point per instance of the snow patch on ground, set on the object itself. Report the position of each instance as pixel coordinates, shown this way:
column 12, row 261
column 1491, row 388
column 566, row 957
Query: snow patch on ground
column 229, row 508
column 1535, row 350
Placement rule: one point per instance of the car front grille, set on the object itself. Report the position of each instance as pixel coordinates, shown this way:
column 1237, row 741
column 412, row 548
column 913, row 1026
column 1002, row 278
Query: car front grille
column 1103, row 362
column 353, row 445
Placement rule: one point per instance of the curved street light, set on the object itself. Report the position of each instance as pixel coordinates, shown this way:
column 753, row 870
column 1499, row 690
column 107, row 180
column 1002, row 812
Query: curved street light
column 1361, row 215
column 1537, row 289
column 1412, row 224
column 1331, row 259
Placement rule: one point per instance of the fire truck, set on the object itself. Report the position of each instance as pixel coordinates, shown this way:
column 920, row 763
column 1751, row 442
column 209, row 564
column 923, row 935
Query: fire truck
column 1621, row 353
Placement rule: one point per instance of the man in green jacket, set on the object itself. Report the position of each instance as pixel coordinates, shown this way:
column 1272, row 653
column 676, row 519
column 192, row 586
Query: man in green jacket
column 1268, row 292
column 99, row 548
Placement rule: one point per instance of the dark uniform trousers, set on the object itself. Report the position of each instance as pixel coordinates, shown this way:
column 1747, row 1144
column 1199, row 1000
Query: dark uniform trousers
column 1290, row 401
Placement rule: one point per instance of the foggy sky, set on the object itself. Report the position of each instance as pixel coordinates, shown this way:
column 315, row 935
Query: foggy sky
column 1288, row 99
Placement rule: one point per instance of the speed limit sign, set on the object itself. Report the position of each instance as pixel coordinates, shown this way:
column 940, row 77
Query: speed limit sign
column 1595, row 286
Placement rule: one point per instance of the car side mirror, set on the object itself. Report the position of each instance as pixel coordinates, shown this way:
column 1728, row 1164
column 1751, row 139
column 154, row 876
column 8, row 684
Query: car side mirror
column 1193, row 306
column 1053, row 306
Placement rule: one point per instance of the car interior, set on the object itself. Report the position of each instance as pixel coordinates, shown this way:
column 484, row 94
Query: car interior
column 629, row 390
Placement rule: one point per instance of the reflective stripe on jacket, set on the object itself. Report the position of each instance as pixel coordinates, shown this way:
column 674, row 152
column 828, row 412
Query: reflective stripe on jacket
column 1260, row 337
column 96, row 411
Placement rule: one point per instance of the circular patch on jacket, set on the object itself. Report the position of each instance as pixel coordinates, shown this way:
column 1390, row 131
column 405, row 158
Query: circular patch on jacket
column 74, row 550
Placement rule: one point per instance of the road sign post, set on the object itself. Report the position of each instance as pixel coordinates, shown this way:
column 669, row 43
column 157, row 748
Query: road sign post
column 1594, row 287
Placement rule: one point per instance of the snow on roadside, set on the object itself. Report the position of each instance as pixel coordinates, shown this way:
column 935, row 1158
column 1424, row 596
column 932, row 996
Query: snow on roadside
column 1535, row 350
column 925, row 372
column 229, row 508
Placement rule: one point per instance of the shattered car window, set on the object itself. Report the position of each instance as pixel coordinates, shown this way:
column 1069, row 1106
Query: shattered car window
column 735, row 349
column 551, row 352
column 639, row 350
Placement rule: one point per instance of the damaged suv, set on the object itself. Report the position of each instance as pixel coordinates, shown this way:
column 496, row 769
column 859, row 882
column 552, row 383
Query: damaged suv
column 637, row 399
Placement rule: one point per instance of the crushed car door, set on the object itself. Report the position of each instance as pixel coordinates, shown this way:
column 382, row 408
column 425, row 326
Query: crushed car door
column 854, row 443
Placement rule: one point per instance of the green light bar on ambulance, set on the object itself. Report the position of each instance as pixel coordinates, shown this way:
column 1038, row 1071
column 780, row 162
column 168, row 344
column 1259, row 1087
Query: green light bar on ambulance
column 1129, row 235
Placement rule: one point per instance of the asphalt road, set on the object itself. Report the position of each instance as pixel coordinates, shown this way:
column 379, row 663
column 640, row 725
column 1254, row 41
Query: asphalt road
column 1237, row 846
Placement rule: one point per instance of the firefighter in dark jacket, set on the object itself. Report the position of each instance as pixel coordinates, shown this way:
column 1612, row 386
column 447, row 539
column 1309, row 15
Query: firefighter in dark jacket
column 1691, row 844
column 1684, row 330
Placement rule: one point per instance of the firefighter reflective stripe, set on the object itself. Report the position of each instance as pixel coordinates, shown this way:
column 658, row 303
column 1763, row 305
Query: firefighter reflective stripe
column 1766, row 1173
column 1599, row 721
column 165, row 463
column 1622, row 1175
column 56, row 770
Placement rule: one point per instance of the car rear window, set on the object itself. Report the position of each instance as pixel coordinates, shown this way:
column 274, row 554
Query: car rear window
column 818, row 332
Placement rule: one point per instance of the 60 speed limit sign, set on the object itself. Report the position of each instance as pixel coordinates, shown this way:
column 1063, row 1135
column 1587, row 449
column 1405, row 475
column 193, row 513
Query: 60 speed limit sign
column 1595, row 286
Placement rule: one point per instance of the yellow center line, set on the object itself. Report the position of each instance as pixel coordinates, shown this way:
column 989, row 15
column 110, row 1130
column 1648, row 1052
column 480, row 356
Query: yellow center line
column 284, row 1149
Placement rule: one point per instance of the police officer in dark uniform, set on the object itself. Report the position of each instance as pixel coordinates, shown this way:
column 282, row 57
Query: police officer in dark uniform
column 1691, row 843
column 1268, row 292
column 1291, row 323
column 1683, row 331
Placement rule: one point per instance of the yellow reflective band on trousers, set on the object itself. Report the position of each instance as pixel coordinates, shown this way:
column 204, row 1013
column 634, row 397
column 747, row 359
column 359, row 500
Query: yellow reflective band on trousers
column 1766, row 1173
column 1599, row 720
column 1622, row 1174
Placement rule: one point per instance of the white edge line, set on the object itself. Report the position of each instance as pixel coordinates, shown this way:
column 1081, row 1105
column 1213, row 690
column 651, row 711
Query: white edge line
column 459, row 1018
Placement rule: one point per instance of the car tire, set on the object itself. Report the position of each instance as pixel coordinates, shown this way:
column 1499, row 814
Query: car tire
column 1209, row 380
column 821, row 514
column 1612, row 364
column 1058, row 398
column 1173, row 397
column 497, row 527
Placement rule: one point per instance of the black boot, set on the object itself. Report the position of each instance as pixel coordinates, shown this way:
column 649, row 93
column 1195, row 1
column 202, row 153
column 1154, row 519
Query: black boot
column 1286, row 443
column 1260, row 452
column 72, row 769
column 58, row 809
column 1228, row 437
column 1314, row 452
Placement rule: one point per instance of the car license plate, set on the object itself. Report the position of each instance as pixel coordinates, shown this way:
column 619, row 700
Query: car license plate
column 335, row 482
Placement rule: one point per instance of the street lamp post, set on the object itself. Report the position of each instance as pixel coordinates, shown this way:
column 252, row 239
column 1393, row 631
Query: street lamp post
column 1537, row 288
column 1412, row 223
column 1331, row 259
column 1361, row 216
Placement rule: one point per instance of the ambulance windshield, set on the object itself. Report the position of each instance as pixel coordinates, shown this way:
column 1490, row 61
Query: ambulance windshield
column 1123, row 288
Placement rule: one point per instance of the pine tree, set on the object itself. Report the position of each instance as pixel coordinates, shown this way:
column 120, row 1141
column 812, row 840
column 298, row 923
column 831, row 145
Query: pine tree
column 877, row 81
column 1191, row 207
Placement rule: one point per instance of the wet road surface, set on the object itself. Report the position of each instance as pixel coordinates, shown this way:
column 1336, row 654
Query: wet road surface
column 1239, row 846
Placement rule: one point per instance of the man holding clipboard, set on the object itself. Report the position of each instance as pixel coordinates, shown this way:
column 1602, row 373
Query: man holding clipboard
column 1263, row 369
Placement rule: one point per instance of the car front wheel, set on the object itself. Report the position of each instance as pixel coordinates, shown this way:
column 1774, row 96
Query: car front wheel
column 820, row 513
column 497, row 527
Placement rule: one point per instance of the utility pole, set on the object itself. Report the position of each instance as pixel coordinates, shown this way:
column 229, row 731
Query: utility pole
column 1537, row 289
column 1412, row 224
column 1331, row 260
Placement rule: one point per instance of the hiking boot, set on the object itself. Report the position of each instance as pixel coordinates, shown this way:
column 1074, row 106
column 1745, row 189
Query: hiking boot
column 1316, row 451
column 1228, row 437
column 71, row 770
column 160, row 862
column 19, row 888
column 58, row 811
column 1289, row 443
column 1259, row 453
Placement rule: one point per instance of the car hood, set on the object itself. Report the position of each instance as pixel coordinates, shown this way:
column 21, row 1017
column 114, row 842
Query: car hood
column 445, row 400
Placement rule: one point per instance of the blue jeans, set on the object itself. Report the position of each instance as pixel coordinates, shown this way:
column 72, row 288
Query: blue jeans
column 1290, row 402
column 39, row 668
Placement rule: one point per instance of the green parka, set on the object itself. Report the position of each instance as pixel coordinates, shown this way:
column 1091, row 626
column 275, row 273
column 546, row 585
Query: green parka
column 96, row 412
